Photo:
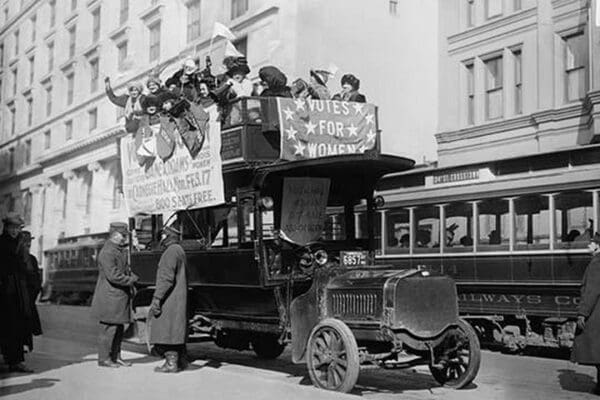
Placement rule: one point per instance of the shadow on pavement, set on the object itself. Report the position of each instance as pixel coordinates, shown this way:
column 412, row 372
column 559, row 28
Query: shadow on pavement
column 575, row 382
column 24, row 387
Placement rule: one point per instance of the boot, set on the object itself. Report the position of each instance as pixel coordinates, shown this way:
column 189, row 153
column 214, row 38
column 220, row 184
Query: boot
column 171, row 363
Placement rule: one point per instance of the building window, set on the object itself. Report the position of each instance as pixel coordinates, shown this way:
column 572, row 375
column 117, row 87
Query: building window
column 470, row 13
column 96, row 25
column 155, row 41
column 31, row 69
column 48, row 101
column 393, row 6
column 52, row 5
column 517, row 5
column 29, row 111
column 493, row 8
column 70, row 88
column 13, row 120
column 518, row 82
column 16, row 38
column 33, row 21
column 576, row 53
column 28, row 152
column 69, row 130
column 93, row 119
column 193, row 20
column 124, row 12
column 50, row 56
column 15, row 78
column 122, row 51
column 73, row 5
column 494, row 100
column 94, row 73
column 72, row 40
column 241, row 45
column 27, row 207
column 47, row 140
column 470, row 93
column 11, row 161
column 239, row 8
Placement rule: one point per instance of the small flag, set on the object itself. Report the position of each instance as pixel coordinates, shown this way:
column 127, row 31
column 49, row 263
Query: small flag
column 221, row 30
column 230, row 50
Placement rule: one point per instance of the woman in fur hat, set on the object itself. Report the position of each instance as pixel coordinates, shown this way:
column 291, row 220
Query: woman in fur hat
column 131, row 102
column 234, row 83
column 274, row 82
column 350, row 86
column 185, row 81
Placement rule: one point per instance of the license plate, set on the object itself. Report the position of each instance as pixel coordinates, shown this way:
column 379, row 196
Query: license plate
column 353, row 258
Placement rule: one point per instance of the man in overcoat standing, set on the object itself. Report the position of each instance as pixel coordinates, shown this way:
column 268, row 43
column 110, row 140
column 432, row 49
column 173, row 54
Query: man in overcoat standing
column 111, row 305
column 586, row 347
column 168, row 311
column 15, row 304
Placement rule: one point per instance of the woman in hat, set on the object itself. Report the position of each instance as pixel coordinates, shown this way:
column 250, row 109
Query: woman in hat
column 234, row 82
column 131, row 102
column 350, row 86
column 154, row 85
column 274, row 81
column 185, row 81
column 586, row 346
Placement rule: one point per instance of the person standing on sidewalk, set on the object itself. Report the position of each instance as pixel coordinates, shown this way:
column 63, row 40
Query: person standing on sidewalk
column 168, row 311
column 111, row 305
column 14, row 297
column 586, row 347
column 33, row 279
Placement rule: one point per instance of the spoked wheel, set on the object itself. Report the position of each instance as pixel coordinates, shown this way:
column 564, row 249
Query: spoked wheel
column 459, row 356
column 267, row 346
column 332, row 356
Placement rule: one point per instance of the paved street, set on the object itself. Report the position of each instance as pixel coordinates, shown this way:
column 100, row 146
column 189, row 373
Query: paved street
column 65, row 366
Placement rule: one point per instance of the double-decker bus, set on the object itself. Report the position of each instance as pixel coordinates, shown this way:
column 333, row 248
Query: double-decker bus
column 512, row 233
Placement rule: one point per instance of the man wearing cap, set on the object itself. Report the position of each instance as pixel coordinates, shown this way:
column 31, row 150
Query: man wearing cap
column 168, row 311
column 586, row 347
column 14, row 297
column 111, row 305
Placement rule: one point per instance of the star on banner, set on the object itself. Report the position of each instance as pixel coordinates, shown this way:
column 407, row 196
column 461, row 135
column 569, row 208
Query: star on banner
column 291, row 132
column 289, row 114
column 369, row 118
column 352, row 130
column 370, row 136
column 299, row 149
column 358, row 107
column 310, row 127
column 299, row 104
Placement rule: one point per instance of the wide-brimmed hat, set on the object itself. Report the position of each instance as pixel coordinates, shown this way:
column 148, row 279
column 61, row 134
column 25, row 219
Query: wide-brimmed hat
column 153, row 79
column 320, row 75
column 236, row 65
column 120, row 227
column 13, row 218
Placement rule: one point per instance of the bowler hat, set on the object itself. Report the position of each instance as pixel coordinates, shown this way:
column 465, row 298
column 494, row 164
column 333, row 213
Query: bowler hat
column 12, row 218
column 120, row 227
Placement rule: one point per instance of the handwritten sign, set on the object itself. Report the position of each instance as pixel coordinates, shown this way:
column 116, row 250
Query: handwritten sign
column 178, row 183
column 323, row 128
column 303, row 211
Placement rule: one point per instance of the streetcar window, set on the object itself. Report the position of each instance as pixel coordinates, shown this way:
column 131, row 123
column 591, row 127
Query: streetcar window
column 427, row 238
column 532, row 222
column 493, row 225
column 459, row 223
column 573, row 219
column 398, row 232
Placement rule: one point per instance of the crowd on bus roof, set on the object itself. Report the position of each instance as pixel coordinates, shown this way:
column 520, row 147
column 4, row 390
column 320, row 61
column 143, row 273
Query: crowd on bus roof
column 194, row 85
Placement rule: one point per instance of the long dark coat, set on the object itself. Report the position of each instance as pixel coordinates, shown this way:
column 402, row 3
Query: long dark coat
column 586, row 348
column 34, row 287
column 112, row 297
column 15, row 304
column 171, row 289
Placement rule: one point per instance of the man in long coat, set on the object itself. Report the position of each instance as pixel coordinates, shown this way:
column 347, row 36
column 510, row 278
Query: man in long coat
column 111, row 305
column 34, row 283
column 586, row 348
column 15, row 304
column 168, row 311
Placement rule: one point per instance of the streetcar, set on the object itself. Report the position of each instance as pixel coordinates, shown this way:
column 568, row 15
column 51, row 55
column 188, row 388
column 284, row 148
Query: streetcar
column 258, row 281
column 512, row 233
column 72, row 269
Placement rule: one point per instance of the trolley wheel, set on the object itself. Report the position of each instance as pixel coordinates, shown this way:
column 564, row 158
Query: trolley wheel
column 460, row 356
column 332, row 356
column 267, row 346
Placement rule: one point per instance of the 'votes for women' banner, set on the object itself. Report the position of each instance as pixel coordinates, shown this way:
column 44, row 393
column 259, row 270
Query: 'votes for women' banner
column 323, row 128
column 180, row 182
